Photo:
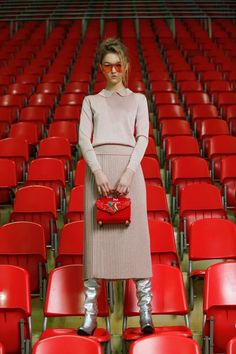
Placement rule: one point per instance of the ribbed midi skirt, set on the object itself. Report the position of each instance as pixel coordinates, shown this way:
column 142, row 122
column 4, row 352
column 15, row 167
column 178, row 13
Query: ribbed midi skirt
column 116, row 251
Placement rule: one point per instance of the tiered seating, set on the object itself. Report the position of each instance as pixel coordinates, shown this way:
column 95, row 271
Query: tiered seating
column 189, row 81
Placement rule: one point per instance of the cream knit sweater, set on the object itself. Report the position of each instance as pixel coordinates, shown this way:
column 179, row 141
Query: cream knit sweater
column 111, row 117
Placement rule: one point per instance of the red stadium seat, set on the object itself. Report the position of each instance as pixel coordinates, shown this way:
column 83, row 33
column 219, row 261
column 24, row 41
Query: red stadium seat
column 201, row 112
column 27, row 131
column 198, row 201
column 219, row 147
column 162, row 243
column 67, row 344
column 206, row 243
column 72, row 99
column 37, row 204
column 22, row 244
column 8, row 181
column 157, row 207
column 162, row 344
column 75, row 210
column 151, row 171
column 228, row 181
column 15, row 306
column 231, row 119
column 49, row 172
column 80, row 172
column 57, row 147
column 67, row 112
column 187, row 170
column 219, row 306
column 70, row 302
column 209, row 128
column 16, row 149
column 178, row 146
column 165, row 280
column 71, row 244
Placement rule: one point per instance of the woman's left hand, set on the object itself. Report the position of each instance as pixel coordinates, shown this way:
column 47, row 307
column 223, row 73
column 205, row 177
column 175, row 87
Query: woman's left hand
column 123, row 186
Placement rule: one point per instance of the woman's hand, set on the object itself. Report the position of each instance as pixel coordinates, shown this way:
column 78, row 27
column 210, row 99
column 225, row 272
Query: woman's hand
column 125, row 181
column 102, row 182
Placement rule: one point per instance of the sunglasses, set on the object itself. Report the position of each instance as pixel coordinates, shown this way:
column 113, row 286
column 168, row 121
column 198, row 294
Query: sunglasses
column 107, row 68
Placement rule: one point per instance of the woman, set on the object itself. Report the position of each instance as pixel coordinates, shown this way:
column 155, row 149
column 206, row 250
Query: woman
column 113, row 163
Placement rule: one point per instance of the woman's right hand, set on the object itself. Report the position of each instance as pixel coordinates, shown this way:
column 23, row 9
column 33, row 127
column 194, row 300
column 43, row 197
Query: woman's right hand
column 102, row 182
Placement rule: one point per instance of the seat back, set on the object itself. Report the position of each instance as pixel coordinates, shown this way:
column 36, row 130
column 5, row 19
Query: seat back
column 80, row 172
column 68, row 112
column 180, row 146
column 199, row 201
column 228, row 180
column 231, row 346
column 26, row 130
column 206, row 241
column 23, row 244
column 219, row 304
column 71, row 245
column 151, row 171
column 15, row 307
column 220, row 146
column 66, row 129
column 67, row 344
column 17, row 150
column 75, row 209
column 209, row 128
column 164, row 344
column 7, row 184
column 224, row 100
column 174, row 127
column 171, row 111
column 157, row 207
column 151, row 148
column 200, row 196
column 37, row 204
column 70, row 293
column 48, row 172
column 162, row 243
column 55, row 147
column 8, row 178
column 189, row 168
column 166, row 280
column 72, row 99
column 47, row 169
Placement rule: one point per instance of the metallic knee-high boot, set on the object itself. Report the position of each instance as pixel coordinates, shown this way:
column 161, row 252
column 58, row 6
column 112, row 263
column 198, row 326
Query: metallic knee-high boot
column 144, row 295
column 90, row 305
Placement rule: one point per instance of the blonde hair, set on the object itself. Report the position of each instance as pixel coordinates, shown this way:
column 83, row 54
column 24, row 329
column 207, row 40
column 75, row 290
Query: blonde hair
column 114, row 45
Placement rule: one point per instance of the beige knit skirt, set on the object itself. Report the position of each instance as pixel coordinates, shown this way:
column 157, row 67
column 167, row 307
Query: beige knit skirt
column 116, row 251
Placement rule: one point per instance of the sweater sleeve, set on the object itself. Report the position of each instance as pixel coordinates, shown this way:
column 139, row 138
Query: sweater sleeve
column 142, row 130
column 85, row 134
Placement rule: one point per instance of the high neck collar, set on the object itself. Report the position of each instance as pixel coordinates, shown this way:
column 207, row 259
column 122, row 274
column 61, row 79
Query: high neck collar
column 109, row 93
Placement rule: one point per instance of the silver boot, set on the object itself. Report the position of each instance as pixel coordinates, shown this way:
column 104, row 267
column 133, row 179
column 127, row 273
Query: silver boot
column 144, row 295
column 90, row 305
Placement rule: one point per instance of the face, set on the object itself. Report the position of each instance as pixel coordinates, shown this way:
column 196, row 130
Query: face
column 112, row 68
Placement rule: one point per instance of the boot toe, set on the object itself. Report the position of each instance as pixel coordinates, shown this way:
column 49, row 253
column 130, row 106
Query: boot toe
column 148, row 329
column 82, row 332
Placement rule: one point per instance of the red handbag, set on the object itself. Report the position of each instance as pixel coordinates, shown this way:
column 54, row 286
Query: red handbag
column 113, row 209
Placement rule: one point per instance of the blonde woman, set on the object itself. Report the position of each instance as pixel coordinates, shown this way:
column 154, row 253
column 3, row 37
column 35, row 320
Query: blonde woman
column 113, row 162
